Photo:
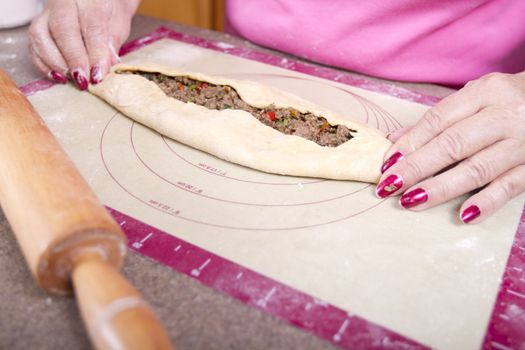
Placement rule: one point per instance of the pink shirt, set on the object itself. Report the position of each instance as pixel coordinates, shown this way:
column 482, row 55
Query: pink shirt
column 441, row 41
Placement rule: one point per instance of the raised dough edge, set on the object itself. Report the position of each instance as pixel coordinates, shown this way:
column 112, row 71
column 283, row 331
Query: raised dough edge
column 237, row 136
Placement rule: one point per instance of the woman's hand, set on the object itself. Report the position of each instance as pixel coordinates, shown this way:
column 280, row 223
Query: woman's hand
column 80, row 37
column 475, row 138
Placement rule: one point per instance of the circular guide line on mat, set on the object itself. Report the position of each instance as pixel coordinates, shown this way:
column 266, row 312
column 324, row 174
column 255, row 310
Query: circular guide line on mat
column 369, row 110
column 172, row 183
column 165, row 139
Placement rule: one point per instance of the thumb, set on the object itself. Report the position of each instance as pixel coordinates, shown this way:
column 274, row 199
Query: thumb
column 114, row 48
column 119, row 29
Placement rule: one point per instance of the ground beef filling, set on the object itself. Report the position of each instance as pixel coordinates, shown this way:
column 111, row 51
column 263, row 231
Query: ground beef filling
column 286, row 120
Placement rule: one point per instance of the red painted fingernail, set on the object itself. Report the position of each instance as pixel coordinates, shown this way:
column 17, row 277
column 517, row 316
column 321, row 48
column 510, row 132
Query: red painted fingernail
column 393, row 159
column 96, row 74
column 57, row 77
column 80, row 79
column 389, row 185
column 470, row 214
column 413, row 198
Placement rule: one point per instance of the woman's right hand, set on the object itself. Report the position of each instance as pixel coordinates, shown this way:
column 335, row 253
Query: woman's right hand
column 80, row 38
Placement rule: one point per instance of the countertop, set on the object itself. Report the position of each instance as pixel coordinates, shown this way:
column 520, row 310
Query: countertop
column 196, row 317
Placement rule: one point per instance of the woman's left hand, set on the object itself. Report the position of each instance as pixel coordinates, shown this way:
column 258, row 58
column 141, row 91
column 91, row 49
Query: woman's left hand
column 474, row 139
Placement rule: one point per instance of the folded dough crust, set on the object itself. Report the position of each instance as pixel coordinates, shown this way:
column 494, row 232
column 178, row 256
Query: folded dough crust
column 236, row 135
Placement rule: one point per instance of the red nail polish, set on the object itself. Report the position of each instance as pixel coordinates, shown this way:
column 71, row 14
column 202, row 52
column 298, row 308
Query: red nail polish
column 393, row 159
column 413, row 198
column 80, row 79
column 96, row 74
column 57, row 77
column 470, row 214
column 389, row 185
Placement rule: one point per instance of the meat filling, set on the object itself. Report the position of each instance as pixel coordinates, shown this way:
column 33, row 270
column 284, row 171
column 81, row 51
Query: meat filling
column 286, row 120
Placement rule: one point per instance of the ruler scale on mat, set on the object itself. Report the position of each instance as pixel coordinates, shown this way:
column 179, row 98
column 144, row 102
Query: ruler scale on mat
column 326, row 256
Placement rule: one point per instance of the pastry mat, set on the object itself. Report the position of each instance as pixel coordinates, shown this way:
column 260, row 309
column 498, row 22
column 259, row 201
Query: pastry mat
column 326, row 256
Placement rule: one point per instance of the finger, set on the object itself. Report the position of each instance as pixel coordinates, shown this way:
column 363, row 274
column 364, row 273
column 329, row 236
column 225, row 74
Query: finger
column 65, row 30
column 453, row 145
column 397, row 156
column 486, row 202
column 471, row 174
column 43, row 45
column 48, row 72
column 94, row 17
column 453, row 108
column 44, row 50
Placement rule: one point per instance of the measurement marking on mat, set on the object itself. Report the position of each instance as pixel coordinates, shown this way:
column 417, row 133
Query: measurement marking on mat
column 262, row 302
column 518, row 294
column 503, row 316
column 239, row 275
column 146, row 238
column 212, row 169
column 385, row 342
column 123, row 223
column 189, row 187
column 339, row 335
column 499, row 346
column 196, row 272
column 139, row 244
column 177, row 248
column 320, row 302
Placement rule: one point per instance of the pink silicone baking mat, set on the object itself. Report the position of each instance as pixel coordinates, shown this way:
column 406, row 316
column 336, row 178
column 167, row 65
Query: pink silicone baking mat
column 506, row 329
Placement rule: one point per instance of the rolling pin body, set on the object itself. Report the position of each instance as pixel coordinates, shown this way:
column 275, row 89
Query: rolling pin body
column 47, row 202
column 67, row 236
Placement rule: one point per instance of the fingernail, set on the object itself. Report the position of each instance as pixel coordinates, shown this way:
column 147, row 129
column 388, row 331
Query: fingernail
column 57, row 77
column 393, row 159
column 413, row 198
column 96, row 74
column 389, row 185
column 80, row 79
column 470, row 214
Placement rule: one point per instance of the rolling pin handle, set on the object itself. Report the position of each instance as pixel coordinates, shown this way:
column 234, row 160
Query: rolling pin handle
column 114, row 313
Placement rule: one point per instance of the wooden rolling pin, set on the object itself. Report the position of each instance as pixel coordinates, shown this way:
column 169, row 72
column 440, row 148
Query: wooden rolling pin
column 69, row 240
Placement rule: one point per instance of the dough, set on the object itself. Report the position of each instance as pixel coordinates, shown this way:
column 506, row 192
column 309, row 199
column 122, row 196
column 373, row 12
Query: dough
column 236, row 135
